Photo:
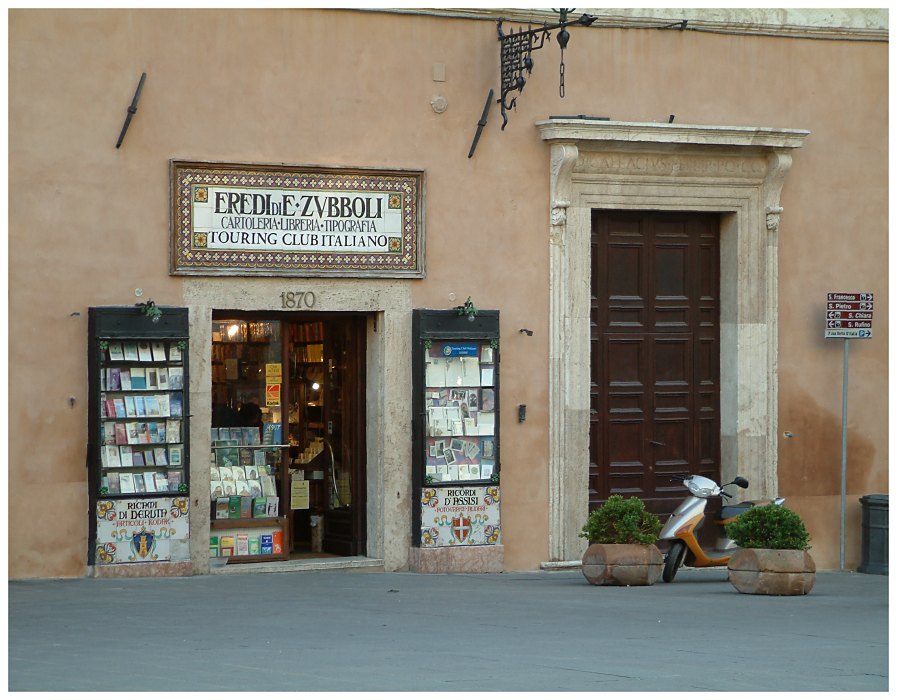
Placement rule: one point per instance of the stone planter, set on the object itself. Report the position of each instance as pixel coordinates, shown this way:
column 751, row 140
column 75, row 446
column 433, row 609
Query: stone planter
column 622, row 564
column 772, row 571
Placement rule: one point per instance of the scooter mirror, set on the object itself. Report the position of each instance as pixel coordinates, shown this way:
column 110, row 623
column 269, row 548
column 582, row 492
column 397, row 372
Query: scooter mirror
column 741, row 482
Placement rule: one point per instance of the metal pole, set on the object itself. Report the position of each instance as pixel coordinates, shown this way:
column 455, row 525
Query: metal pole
column 843, row 452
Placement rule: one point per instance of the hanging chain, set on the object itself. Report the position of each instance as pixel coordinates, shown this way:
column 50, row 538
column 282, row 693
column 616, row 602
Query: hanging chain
column 562, row 73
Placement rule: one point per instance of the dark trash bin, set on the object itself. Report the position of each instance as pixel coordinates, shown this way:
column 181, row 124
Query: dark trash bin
column 875, row 534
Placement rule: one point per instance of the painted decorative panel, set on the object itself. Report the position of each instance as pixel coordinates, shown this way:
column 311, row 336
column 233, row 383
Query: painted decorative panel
column 463, row 515
column 142, row 530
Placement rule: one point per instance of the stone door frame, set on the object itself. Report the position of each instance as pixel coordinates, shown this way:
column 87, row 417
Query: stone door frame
column 737, row 172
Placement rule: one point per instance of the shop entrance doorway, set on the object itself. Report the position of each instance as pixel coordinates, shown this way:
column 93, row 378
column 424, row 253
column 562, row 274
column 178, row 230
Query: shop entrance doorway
column 299, row 378
column 655, row 347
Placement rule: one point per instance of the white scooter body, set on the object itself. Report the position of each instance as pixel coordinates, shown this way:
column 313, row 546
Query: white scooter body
column 682, row 526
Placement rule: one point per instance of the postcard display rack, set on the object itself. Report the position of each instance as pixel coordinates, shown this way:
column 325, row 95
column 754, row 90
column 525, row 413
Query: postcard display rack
column 456, row 441
column 139, row 437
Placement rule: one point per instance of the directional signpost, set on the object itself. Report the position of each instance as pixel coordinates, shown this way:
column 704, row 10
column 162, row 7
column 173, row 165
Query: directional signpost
column 847, row 315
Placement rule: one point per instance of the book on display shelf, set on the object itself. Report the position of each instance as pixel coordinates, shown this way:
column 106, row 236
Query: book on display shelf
column 242, row 544
column 175, row 479
column 111, row 456
column 269, row 486
column 126, row 481
column 152, row 406
column 272, row 434
column 227, row 544
column 138, row 378
column 176, row 378
column 158, row 352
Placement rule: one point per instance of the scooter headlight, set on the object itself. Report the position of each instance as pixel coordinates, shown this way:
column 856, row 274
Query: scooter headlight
column 700, row 491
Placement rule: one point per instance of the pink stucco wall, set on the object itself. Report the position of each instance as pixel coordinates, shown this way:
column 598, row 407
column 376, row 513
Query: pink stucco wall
column 89, row 223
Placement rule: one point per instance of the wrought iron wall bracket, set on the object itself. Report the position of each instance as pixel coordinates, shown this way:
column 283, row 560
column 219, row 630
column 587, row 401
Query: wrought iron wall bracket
column 517, row 56
column 132, row 110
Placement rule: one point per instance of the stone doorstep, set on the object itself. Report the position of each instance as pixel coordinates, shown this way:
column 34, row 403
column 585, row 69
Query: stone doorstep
column 185, row 568
column 267, row 567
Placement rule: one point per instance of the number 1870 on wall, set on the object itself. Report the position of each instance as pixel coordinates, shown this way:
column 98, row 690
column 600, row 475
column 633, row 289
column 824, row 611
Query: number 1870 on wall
column 297, row 300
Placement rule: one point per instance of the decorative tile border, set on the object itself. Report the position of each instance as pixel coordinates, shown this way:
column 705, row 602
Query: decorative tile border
column 229, row 219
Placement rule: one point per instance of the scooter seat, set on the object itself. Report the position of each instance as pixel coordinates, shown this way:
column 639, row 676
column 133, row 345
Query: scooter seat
column 734, row 510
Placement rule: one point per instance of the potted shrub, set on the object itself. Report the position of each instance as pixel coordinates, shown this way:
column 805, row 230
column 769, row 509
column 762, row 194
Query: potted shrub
column 773, row 557
column 622, row 552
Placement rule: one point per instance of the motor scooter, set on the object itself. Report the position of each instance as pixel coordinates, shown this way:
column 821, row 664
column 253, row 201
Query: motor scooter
column 681, row 529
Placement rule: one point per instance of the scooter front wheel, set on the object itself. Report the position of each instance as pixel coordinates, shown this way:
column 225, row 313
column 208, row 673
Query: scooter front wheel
column 673, row 560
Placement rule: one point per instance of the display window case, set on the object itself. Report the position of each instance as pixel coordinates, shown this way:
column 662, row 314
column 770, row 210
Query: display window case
column 456, row 439
column 139, row 462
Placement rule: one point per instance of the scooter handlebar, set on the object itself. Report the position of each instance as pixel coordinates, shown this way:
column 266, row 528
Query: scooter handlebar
column 727, row 495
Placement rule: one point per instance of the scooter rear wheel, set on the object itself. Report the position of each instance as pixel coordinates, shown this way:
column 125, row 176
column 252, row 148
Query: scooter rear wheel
column 673, row 561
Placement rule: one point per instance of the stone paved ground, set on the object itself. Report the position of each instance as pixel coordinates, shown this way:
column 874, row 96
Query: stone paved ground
column 537, row 631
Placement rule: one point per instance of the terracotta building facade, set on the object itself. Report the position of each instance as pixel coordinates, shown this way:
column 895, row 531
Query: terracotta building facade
column 395, row 319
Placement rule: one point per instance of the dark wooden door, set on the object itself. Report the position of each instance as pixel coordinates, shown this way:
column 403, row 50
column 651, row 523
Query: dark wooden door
column 654, row 354
column 345, row 531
